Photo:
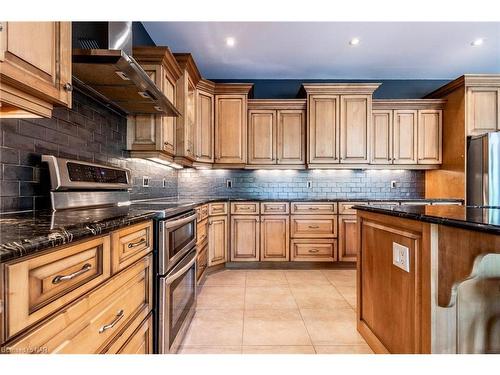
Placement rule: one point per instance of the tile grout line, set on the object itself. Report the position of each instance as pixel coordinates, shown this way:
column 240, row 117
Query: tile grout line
column 244, row 309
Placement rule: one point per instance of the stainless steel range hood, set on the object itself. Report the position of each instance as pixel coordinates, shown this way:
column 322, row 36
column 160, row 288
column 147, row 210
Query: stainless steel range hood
column 102, row 65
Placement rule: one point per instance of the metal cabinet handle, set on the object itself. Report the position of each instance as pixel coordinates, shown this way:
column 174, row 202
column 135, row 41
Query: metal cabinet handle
column 313, row 208
column 137, row 243
column 59, row 278
column 314, row 226
column 68, row 87
column 117, row 318
column 313, row 250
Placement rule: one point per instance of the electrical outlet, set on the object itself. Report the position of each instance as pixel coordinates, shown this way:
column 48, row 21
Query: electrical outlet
column 229, row 184
column 401, row 256
column 309, row 184
column 393, row 184
column 164, row 183
column 145, row 181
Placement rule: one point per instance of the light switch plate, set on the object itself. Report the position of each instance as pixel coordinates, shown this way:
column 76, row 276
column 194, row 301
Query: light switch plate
column 145, row 181
column 401, row 256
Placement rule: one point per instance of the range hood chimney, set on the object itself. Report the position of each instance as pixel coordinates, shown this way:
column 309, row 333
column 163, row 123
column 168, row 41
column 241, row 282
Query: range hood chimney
column 103, row 66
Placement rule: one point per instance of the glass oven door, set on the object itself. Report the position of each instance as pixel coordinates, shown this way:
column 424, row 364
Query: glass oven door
column 177, row 304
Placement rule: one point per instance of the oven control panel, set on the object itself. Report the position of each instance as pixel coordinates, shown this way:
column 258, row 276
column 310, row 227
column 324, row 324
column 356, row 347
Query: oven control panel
column 92, row 173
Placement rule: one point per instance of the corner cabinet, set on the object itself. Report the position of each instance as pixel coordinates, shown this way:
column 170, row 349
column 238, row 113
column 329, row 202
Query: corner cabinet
column 35, row 68
column 217, row 240
column 231, row 124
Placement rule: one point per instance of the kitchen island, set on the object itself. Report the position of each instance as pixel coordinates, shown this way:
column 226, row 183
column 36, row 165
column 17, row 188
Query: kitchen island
column 428, row 279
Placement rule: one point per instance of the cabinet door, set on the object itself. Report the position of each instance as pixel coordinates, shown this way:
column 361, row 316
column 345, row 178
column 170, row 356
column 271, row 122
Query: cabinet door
column 275, row 238
column 245, row 236
column 348, row 238
column 381, row 135
column 323, row 129
column 291, row 137
column 405, row 137
column 217, row 240
column 141, row 341
column 167, row 124
column 354, row 130
column 483, row 110
column 205, row 127
column 35, row 57
column 429, row 136
column 230, row 129
column 261, row 137
column 186, row 99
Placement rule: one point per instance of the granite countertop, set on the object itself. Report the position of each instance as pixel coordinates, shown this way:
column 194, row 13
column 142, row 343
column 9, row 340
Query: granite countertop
column 473, row 218
column 22, row 234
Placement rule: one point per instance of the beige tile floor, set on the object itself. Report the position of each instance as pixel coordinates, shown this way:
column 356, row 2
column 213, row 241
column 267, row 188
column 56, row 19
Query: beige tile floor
column 276, row 312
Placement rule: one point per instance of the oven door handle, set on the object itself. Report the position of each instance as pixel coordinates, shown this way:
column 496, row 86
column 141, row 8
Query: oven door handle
column 178, row 273
column 179, row 222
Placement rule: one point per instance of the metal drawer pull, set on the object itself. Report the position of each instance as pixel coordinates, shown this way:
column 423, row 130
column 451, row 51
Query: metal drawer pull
column 313, row 250
column 117, row 318
column 313, row 208
column 135, row 244
column 313, row 226
column 59, row 278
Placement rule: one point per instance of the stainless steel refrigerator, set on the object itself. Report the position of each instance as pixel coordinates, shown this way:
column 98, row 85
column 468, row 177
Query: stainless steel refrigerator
column 483, row 170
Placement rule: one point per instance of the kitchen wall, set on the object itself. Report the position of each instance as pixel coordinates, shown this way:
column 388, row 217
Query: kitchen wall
column 291, row 184
column 88, row 132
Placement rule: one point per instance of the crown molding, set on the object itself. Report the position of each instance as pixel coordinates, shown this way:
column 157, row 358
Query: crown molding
column 160, row 55
column 408, row 104
column 298, row 104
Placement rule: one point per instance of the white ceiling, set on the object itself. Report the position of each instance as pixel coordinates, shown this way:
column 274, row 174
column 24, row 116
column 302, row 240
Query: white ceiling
column 321, row 50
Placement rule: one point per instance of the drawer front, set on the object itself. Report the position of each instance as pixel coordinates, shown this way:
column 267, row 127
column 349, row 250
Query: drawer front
column 201, row 263
column 202, row 233
column 274, row 208
column 314, row 208
column 320, row 226
column 244, row 208
column 204, row 212
column 345, row 208
column 219, row 208
column 136, row 339
column 315, row 250
column 92, row 322
column 41, row 285
column 130, row 244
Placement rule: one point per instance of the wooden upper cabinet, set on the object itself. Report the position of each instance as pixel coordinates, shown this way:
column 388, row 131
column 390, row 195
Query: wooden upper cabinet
column 355, row 117
column 430, row 136
column 35, row 68
column 323, row 128
column 231, row 123
column 261, row 137
column 291, row 137
column 381, row 137
column 483, row 110
column 205, row 123
column 405, row 136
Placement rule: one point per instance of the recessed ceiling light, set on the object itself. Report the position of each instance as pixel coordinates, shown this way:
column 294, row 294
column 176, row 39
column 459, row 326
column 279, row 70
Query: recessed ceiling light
column 477, row 42
column 230, row 41
column 354, row 41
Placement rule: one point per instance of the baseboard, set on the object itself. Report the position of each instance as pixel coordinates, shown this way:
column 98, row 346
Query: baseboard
column 290, row 265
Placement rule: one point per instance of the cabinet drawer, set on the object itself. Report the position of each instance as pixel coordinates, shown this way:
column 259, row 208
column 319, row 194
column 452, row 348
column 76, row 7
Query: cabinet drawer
column 91, row 323
column 219, row 208
column 130, row 244
column 41, row 285
column 204, row 211
column 202, row 233
column 136, row 339
column 274, row 208
column 314, row 208
column 314, row 250
column 244, row 208
column 201, row 263
column 345, row 208
column 320, row 226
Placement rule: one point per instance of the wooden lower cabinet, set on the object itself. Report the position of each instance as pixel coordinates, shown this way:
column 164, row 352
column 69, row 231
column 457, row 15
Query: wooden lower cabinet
column 217, row 240
column 140, row 341
column 348, row 238
column 317, row 226
column 313, row 250
column 245, row 238
column 201, row 263
column 130, row 244
column 275, row 238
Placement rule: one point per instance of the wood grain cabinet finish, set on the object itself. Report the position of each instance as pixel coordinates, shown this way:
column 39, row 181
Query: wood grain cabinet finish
column 35, row 68
column 348, row 241
column 218, row 233
column 219, row 208
column 317, row 226
column 291, row 137
column 262, row 137
column 89, row 324
column 245, row 208
column 275, row 238
column 483, row 110
column 323, row 128
column 230, row 129
column 430, row 136
column 345, row 208
column 134, row 340
column 316, row 250
column 39, row 286
column 274, row 208
column 202, row 233
column 405, row 137
column 245, row 238
column 355, row 119
column 314, row 208
column 205, row 127
column 201, row 263
column 382, row 137
column 130, row 244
